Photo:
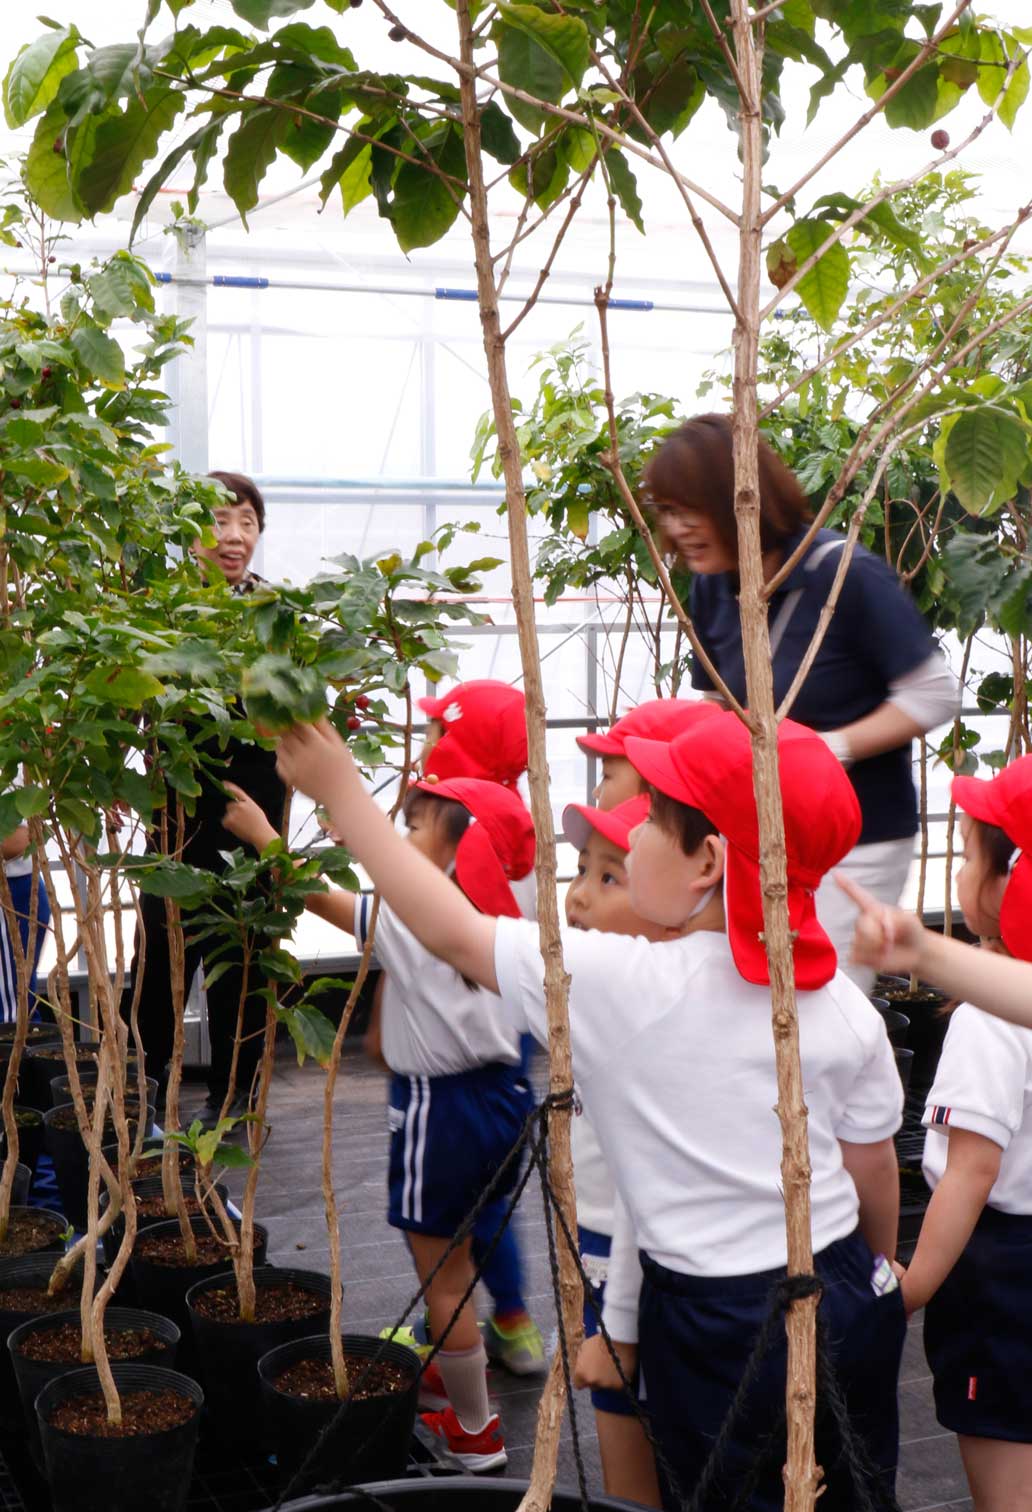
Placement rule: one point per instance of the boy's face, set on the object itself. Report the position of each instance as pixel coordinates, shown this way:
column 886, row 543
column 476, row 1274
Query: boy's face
column 599, row 896
column 237, row 529
column 434, row 731
column 619, row 782
column 665, row 884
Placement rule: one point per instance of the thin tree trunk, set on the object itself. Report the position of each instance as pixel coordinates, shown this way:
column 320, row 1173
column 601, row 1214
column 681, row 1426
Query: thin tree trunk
column 801, row 1473
column 256, row 1135
column 171, row 1179
column 557, row 981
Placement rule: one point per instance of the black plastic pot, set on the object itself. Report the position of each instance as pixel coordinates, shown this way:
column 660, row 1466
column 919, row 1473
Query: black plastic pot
column 30, row 1084
column 928, row 1024
column 30, row 1135
column 59, row 1225
column 370, row 1442
column 151, row 1470
column 450, row 1493
column 896, row 1024
column 22, row 1182
column 904, row 1065
column 71, row 1161
column 61, row 1086
column 143, row 1186
column 30, row 1271
column 229, row 1352
column 33, row 1375
column 163, row 1288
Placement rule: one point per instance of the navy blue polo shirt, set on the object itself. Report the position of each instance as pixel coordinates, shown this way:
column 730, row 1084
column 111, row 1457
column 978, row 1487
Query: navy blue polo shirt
column 876, row 635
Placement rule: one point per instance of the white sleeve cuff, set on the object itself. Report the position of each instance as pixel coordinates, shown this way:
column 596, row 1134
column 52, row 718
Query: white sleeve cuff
column 942, row 1120
column 929, row 694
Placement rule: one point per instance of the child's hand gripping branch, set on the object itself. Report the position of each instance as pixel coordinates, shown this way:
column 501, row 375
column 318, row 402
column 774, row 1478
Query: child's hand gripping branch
column 314, row 759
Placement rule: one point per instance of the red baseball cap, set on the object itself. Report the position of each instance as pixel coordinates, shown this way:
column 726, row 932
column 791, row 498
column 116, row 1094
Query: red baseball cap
column 485, row 732
column 1006, row 801
column 659, row 719
column 496, row 849
column 710, row 767
column 616, row 824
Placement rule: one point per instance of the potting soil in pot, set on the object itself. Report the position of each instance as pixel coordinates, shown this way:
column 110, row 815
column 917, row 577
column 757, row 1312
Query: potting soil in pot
column 34, row 1299
column 31, row 1229
column 273, row 1304
column 142, row 1412
column 167, row 1249
column 60, row 1345
column 313, row 1379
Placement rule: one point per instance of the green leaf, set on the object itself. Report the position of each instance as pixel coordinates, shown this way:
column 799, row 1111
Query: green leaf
column 50, row 164
column 101, row 355
column 31, row 801
column 312, row 1032
column 626, row 186
column 497, row 134
column 193, row 145
column 121, row 287
column 124, row 142
column 916, row 104
column 986, row 452
column 544, row 55
column 278, row 693
column 34, row 77
column 124, row 687
column 350, row 169
column 424, row 206
column 824, row 288
column 174, row 879
column 261, row 12
column 251, row 150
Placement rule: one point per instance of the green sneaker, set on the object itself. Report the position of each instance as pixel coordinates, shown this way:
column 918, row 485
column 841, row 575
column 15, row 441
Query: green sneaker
column 518, row 1346
column 409, row 1338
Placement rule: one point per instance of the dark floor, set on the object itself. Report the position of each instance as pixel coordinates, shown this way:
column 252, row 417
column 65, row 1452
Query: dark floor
column 379, row 1279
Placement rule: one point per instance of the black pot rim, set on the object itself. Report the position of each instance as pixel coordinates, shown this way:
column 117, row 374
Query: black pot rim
column 199, row 1226
column 24, row 1207
column 127, row 1377
column 123, row 1319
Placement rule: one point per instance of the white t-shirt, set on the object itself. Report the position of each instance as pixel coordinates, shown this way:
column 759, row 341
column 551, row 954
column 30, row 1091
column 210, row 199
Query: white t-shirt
column 432, row 1024
column 596, row 1191
column 984, row 1084
column 674, row 1057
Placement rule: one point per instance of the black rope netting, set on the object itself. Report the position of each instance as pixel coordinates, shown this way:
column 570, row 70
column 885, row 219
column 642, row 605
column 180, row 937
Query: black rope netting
column 870, row 1493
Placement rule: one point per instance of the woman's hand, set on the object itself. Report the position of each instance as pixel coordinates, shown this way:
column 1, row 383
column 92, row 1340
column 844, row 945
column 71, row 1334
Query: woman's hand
column 314, row 759
column 886, row 938
column 244, row 819
column 594, row 1366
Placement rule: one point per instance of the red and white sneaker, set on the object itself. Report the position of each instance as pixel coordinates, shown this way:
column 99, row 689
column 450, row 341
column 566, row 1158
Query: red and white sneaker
column 433, row 1394
column 476, row 1452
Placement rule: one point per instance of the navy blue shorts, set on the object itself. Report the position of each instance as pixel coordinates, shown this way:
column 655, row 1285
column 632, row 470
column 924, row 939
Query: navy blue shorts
column 449, row 1135
column 594, row 1252
column 696, row 1334
column 978, row 1333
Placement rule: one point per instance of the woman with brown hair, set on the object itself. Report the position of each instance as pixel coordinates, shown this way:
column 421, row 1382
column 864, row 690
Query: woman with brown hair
column 878, row 680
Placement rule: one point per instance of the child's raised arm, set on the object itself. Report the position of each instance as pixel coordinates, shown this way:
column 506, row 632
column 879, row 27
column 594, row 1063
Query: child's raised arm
column 891, row 940
column 314, row 759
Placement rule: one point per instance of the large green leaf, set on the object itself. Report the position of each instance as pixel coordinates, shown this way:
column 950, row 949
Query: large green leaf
column 823, row 289
column 424, row 206
column 916, row 104
column 101, row 355
column 124, row 687
column 626, row 186
column 251, row 150
column 986, row 452
column 350, row 169
column 312, row 1032
column 51, row 162
column 34, row 77
column 193, row 145
column 545, row 55
column 278, row 693
column 124, row 142
column 497, row 134
column 261, row 12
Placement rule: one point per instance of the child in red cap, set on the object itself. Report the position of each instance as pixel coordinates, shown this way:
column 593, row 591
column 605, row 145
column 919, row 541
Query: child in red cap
column 658, row 719
column 674, row 1058
column 599, row 898
column 459, row 1097
column 970, row 1271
